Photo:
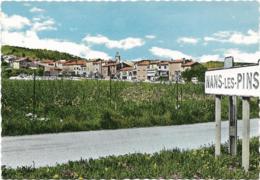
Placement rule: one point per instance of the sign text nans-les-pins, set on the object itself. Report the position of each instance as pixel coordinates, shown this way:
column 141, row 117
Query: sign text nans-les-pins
column 241, row 81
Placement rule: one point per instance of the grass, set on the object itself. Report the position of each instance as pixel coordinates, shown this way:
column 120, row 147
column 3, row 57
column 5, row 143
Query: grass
column 63, row 105
column 174, row 164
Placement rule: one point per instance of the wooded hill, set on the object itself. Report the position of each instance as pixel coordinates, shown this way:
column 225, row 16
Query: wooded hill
column 37, row 53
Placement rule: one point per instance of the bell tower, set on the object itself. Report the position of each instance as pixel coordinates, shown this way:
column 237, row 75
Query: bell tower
column 117, row 57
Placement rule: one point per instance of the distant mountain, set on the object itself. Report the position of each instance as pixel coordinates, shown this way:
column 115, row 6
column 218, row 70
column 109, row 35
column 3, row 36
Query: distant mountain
column 37, row 53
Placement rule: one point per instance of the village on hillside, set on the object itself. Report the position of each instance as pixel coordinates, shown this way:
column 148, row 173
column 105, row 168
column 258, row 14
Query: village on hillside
column 116, row 69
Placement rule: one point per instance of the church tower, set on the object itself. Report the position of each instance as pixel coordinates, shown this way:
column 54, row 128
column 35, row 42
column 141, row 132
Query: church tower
column 117, row 57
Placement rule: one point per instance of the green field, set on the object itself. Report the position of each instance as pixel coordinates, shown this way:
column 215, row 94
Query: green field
column 64, row 105
column 173, row 164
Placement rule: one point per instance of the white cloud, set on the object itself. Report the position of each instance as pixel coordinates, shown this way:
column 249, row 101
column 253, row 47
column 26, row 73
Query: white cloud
column 150, row 36
column 187, row 40
column 36, row 10
column 48, row 24
column 30, row 39
column 35, row 19
column 209, row 57
column 14, row 22
column 251, row 37
column 127, row 43
column 240, row 56
column 27, row 4
column 168, row 53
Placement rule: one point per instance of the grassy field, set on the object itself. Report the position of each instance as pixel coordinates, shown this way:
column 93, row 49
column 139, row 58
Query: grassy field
column 174, row 164
column 64, row 105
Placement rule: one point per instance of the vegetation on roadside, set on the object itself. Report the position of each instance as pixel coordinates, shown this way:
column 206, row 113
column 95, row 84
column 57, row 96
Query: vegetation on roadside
column 174, row 164
column 64, row 105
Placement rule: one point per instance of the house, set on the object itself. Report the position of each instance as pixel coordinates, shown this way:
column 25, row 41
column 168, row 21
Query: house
column 75, row 67
column 98, row 68
column 46, row 63
column 140, row 70
column 52, row 71
column 188, row 65
column 175, row 67
column 126, row 73
column 48, row 67
column 152, row 71
column 60, row 63
column 109, row 69
column 90, row 68
column 8, row 59
column 163, row 70
column 112, row 68
column 21, row 63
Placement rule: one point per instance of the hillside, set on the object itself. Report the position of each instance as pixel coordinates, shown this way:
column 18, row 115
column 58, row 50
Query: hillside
column 36, row 53
column 220, row 64
column 213, row 64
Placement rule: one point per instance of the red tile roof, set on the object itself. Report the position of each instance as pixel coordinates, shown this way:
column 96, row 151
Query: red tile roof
column 163, row 63
column 111, row 64
column 143, row 63
column 191, row 63
column 154, row 62
column 75, row 62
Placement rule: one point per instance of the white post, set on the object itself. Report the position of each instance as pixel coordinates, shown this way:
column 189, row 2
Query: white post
column 246, row 133
column 232, row 125
column 218, row 125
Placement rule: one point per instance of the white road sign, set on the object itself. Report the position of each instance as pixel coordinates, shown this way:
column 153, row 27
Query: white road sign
column 241, row 81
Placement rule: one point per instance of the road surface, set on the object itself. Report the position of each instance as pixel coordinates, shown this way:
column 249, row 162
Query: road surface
column 49, row 149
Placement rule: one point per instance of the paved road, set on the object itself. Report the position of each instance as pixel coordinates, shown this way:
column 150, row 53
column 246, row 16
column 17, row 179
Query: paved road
column 49, row 149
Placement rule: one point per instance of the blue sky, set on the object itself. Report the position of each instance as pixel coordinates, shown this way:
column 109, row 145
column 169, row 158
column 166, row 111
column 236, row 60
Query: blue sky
column 138, row 30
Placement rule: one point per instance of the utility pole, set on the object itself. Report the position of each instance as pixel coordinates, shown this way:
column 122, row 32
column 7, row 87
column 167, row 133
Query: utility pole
column 34, row 95
column 110, row 88
column 177, row 76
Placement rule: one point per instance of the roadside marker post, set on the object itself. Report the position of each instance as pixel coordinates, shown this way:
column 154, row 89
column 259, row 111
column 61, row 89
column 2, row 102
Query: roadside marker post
column 235, row 81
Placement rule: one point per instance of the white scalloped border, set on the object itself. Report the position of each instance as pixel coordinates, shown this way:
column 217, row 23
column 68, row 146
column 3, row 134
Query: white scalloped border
column 131, row 1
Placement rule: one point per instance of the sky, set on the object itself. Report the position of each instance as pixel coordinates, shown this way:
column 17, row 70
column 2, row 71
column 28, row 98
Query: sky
column 202, row 31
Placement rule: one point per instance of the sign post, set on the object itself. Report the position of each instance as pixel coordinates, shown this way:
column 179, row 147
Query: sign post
column 246, row 133
column 232, row 115
column 236, row 81
column 218, row 125
column 232, row 125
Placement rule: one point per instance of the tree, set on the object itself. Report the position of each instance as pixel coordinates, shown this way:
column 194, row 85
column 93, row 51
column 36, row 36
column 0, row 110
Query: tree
column 196, row 71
